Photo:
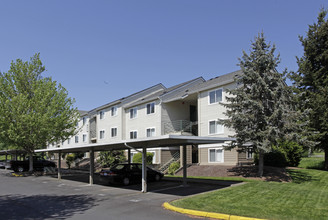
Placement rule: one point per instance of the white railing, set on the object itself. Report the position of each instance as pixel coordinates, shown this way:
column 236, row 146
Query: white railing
column 173, row 127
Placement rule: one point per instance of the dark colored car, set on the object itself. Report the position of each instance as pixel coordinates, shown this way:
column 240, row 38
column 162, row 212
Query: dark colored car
column 38, row 164
column 127, row 173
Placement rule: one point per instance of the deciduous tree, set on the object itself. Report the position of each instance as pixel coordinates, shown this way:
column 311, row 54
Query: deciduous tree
column 34, row 110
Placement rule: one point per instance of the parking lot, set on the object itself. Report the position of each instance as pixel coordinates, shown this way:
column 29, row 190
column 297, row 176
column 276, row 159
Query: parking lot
column 45, row 197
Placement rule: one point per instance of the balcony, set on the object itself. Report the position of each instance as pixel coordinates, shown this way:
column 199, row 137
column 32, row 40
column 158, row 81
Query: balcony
column 181, row 127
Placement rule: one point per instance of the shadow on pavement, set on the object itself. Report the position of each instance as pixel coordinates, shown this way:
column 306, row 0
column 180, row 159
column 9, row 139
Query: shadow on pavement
column 39, row 207
column 170, row 186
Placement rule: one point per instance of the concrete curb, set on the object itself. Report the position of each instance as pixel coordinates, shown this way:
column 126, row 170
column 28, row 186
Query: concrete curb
column 214, row 215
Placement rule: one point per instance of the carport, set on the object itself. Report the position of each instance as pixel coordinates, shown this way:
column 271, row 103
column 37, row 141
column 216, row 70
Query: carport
column 140, row 145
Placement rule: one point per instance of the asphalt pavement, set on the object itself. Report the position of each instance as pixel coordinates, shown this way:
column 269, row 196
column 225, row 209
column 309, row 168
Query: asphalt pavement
column 46, row 197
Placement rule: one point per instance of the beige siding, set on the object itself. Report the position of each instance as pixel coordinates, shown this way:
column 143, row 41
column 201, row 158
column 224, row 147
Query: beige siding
column 230, row 157
column 166, row 155
column 208, row 112
column 143, row 121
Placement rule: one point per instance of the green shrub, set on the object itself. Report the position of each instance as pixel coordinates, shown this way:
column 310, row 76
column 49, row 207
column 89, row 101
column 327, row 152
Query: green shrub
column 285, row 154
column 137, row 158
column 173, row 168
column 110, row 158
column 69, row 160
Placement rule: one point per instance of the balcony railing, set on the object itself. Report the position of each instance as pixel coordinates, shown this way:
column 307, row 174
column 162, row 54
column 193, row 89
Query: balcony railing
column 180, row 126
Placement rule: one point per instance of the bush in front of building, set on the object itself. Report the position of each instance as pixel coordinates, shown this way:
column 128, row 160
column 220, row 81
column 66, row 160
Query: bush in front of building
column 173, row 168
column 283, row 155
column 137, row 158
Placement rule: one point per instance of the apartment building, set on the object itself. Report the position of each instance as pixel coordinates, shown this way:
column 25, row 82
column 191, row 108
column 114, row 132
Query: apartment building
column 190, row 108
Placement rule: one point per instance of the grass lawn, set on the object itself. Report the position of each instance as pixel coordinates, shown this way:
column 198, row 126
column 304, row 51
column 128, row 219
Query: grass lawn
column 312, row 163
column 304, row 198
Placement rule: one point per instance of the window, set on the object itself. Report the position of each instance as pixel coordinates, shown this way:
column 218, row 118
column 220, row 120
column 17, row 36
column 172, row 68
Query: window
column 113, row 111
column 133, row 134
column 249, row 153
column 215, row 96
column 215, row 127
column 84, row 138
column 84, row 119
column 151, row 108
column 68, row 141
column 215, row 155
column 133, row 112
column 76, row 139
column 113, row 132
column 102, row 114
column 150, row 132
column 102, row 134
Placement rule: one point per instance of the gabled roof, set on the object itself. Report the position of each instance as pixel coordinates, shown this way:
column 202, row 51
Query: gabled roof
column 166, row 93
column 205, row 85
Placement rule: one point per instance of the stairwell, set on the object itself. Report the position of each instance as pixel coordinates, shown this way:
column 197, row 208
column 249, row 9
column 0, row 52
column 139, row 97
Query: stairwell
column 175, row 158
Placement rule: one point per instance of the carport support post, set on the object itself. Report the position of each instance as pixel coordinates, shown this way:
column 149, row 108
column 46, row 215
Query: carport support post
column 59, row 165
column 184, row 162
column 6, row 160
column 144, row 170
column 92, row 165
column 129, row 155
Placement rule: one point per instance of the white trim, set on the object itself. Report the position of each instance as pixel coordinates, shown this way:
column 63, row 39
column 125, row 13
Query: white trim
column 86, row 138
column 102, row 112
column 130, row 134
column 215, row 148
column 154, row 132
column 116, row 111
column 209, row 98
column 216, row 132
column 111, row 132
column 136, row 115
column 154, row 108
column 104, row 132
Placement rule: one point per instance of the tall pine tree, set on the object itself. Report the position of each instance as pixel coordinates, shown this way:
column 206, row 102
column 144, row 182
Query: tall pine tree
column 311, row 81
column 257, row 109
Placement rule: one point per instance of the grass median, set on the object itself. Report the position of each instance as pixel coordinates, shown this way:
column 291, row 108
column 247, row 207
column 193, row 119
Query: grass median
column 306, row 197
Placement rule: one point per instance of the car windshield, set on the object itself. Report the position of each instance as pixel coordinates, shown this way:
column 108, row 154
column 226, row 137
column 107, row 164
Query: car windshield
column 118, row 167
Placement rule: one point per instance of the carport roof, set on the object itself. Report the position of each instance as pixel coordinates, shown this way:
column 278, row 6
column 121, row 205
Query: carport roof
column 152, row 142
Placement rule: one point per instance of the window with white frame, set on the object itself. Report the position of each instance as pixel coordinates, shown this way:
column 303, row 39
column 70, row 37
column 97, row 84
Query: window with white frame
column 133, row 113
column 215, row 96
column 102, row 114
column 84, row 138
column 150, row 132
column 249, row 153
column 84, row 119
column 150, row 108
column 102, row 134
column 113, row 111
column 215, row 127
column 113, row 132
column 133, row 134
column 215, row 155
column 68, row 141
column 76, row 139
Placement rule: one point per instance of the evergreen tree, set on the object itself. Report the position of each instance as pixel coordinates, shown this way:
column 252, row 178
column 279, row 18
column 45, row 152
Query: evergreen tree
column 258, row 108
column 311, row 82
column 34, row 110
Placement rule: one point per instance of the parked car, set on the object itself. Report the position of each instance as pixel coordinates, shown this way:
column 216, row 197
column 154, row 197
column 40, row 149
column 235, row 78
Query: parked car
column 39, row 164
column 5, row 164
column 125, row 173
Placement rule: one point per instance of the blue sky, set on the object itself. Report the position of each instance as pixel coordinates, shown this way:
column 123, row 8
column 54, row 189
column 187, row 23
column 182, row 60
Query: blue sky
column 101, row 51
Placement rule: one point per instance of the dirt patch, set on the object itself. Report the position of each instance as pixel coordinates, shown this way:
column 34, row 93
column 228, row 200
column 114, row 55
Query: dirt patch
column 250, row 172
